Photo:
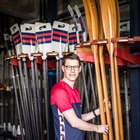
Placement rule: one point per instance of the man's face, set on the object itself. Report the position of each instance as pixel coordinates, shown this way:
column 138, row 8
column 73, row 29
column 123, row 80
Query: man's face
column 71, row 70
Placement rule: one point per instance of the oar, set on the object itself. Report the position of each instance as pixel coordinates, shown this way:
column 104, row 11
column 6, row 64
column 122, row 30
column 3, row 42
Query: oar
column 105, row 89
column 86, row 101
column 126, row 104
column 109, row 26
column 46, row 91
column 34, row 96
column 116, row 70
column 28, row 130
column 118, row 98
column 87, row 16
column 102, row 49
column 85, row 86
column 38, row 95
column 116, row 18
column 75, row 22
column 82, row 22
column 93, row 93
column 93, row 27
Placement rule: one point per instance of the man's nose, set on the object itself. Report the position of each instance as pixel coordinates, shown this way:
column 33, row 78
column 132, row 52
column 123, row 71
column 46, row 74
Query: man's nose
column 72, row 68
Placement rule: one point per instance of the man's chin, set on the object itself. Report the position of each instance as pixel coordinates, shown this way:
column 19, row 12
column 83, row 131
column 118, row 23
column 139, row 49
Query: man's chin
column 72, row 79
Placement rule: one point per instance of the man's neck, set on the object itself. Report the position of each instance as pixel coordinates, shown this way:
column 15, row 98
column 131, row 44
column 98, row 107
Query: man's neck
column 70, row 83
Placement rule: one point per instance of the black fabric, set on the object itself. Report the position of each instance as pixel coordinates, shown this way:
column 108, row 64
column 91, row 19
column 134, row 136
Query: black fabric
column 25, row 9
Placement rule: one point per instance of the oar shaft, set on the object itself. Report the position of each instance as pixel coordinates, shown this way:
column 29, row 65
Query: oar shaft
column 85, row 87
column 106, row 94
column 46, row 97
column 29, row 98
column 119, row 99
column 126, row 105
column 38, row 101
column 17, row 101
column 25, row 103
column 34, row 99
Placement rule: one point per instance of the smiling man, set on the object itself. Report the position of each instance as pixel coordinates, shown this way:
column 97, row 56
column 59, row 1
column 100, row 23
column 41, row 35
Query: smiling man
column 69, row 123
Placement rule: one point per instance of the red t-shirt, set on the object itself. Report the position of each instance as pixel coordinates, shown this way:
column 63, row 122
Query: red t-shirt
column 62, row 98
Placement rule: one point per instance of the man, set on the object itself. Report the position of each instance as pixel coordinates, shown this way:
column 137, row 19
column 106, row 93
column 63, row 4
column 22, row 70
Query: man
column 69, row 123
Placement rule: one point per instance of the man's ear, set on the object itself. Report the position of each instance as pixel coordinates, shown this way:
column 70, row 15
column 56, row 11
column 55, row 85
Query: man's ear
column 80, row 69
column 62, row 67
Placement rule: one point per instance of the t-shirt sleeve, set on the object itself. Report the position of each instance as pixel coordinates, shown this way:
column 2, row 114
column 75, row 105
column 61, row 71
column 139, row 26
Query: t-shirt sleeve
column 62, row 100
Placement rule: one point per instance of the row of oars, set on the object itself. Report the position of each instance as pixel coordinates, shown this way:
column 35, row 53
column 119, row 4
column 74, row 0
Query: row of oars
column 31, row 89
column 32, row 97
column 103, row 22
column 8, row 108
column 89, row 95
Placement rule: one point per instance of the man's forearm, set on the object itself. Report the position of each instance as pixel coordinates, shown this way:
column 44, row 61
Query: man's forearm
column 91, row 115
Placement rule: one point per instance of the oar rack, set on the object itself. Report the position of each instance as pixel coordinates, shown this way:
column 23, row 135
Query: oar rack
column 121, row 50
column 38, row 57
column 14, row 59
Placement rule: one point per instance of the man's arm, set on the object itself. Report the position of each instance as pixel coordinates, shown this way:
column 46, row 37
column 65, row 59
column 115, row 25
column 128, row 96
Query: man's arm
column 83, row 125
column 90, row 115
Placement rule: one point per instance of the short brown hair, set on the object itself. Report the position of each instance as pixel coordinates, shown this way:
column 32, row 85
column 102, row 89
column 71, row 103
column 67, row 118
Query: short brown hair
column 71, row 56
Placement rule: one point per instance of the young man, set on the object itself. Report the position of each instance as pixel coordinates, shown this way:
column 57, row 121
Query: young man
column 69, row 123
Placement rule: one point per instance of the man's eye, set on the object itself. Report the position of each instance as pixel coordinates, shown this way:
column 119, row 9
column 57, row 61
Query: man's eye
column 68, row 66
column 76, row 66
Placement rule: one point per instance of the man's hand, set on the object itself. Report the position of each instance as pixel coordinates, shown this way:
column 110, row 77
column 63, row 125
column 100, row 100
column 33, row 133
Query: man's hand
column 102, row 129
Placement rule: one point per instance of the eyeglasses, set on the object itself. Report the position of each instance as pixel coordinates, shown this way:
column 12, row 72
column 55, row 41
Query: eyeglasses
column 69, row 67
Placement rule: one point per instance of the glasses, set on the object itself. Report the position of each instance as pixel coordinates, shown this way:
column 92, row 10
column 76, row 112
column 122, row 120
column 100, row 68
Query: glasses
column 69, row 67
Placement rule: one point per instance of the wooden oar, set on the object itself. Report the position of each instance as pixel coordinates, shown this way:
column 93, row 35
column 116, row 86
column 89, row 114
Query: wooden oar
column 116, row 15
column 118, row 99
column 127, row 104
column 106, row 27
column 87, row 15
column 103, row 74
column 117, row 73
column 93, row 27
column 110, row 29
column 104, row 78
